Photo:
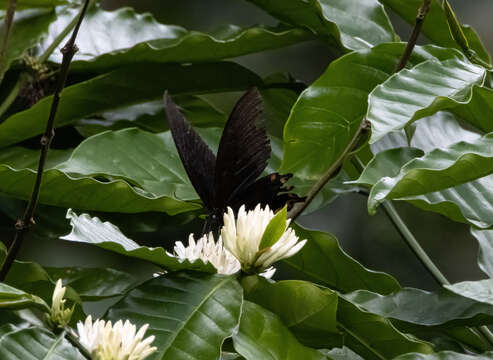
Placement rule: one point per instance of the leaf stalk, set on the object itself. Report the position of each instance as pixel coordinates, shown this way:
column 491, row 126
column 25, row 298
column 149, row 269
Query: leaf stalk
column 9, row 21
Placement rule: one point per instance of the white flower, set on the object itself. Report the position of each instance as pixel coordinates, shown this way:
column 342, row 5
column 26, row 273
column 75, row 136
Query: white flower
column 207, row 250
column 59, row 316
column 118, row 342
column 242, row 237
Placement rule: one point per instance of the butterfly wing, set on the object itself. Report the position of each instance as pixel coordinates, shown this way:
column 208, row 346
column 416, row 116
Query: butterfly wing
column 197, row 158
column 268, row 190
column 243, row 151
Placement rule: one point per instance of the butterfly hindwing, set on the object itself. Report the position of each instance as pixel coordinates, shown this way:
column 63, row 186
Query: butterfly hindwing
column 197, row 158
column 244, row 149
column 268, row 190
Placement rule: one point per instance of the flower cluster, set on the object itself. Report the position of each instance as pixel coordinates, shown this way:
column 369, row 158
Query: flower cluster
column 59, row 316
column 121, row 341
column 242, row 236
column 207, row 250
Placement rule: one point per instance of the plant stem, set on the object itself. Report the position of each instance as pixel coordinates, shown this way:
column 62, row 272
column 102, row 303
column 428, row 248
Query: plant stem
column 75, row 342
column 22, row 225
column 420, row 19
column 9, row 20
column 298, row 208
column 413, row 243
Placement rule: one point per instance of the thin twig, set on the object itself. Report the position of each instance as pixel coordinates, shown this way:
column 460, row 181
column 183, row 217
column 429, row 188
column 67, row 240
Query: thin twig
column 298, row 208
column 9, row 20
column 420, row 19
column 22, row 225
column 74, row 340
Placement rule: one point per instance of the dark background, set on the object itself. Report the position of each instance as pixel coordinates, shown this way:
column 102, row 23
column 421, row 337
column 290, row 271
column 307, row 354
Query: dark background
column 371, row 240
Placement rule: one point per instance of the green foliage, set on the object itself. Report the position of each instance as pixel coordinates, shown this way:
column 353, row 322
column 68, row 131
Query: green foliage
column 422, row 135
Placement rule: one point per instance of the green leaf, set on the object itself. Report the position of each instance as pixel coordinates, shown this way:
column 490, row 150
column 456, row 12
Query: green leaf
column 28, row 27
column 36, row 343
column 387, row 164
column 480, row 290
column 446, row 355
column 308, row 311
column 421, row 91
column 114, row 39
column 353, row 24
column 415, row 306
column 150, row 116
column 127, row 86
column 327, row 114
column 262, row 335
column 156, row 167
column 93, row 284
column 90, row 284
column 437, row 170
column 436, row 22
column 23, row 4
column 17, row 176
column 12, row 298
column 190, row 314
column 373, row 336
column 274, row 229
column 91, row 230
column 322, row 261
column 469, row 203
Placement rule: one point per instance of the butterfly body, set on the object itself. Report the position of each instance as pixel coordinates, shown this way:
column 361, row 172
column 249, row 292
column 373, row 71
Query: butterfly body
column 232, row 177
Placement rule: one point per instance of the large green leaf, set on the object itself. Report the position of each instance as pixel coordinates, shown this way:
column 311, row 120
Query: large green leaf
column 326, row 116
column 113, row 39
column 322, row 261
column 353, row 24
column 420, row 307
column 148, row 160
column 127, row 86
column 437, row 170
column 446, row 355
column 94, row 284
column 471, row 202
column 308, row 311
column 91, row 230
column 190, row 314
column 435, row 27
column 36, row 343
column 29, row 26
column 418, row 92
column 373, row 336
column 150, row 116
column 12, row 298
column 437, row 131
column 17, row 176
column 90, row 284
column 262, row 335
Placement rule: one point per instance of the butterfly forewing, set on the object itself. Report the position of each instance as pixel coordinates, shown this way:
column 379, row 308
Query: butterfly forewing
column 244, row 149
column 197, row 158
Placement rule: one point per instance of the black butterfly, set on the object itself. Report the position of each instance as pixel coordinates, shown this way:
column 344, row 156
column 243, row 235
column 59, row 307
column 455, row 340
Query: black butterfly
column 243, row 153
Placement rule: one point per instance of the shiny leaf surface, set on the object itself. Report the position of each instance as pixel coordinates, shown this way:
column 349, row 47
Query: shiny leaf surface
column 190, row 314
